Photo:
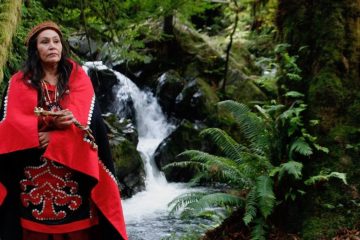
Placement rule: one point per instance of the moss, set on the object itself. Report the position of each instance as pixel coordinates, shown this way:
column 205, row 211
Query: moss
column 126, row 157
column 326, row 89
column 317, row 228
column 333, row 212
column 353, row 112
column 209, row 92
column 9, row 19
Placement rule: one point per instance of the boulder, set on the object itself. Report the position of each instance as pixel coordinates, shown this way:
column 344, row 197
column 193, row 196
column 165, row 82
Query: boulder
column 79, row 43
column 129, row 166
column 196, row 101
column 103, row 81
column 186, row 136
column 170, row 84
column 128, row 163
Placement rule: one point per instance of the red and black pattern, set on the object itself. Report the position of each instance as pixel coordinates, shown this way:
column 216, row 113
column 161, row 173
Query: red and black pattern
column 51, row 186
column 66, row 147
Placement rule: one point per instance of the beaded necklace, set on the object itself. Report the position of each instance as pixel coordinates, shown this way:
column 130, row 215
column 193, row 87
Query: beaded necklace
column 50, row 104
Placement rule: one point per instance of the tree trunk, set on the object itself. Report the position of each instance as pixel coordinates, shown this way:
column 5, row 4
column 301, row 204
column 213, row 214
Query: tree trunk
column 330, row 32
column 10, row 11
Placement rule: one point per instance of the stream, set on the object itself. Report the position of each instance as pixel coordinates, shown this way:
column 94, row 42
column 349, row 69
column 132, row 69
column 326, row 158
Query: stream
column 147, row 213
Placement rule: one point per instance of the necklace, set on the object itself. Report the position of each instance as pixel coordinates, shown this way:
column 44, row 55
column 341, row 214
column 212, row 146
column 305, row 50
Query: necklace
column 51, row 104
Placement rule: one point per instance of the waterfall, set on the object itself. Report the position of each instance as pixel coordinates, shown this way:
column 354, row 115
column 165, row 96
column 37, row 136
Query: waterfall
column 149, row 206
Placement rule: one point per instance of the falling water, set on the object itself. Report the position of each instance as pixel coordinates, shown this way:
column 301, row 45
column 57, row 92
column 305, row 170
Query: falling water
column 146, row 213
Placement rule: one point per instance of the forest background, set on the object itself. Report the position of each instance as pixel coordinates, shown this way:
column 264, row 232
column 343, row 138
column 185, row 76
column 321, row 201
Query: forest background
column 281, row 79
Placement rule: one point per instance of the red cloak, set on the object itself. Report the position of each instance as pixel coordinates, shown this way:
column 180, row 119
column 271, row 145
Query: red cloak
column 19, row 131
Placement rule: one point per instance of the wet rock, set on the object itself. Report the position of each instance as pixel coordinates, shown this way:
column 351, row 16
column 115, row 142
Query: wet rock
column 186, row 136
column 123, row 106
column 196, row 101
column 80, row 45
column 103, row 81
column 129, row 166
column 169, row 86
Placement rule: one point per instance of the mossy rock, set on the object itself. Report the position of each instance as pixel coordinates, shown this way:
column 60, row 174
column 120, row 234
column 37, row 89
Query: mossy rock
column 170, row 84
column 128, row 163
column 326, row 89
column 333, row 212
column 186, row 136
column 210, row 62
column 196, row 101
column 129, row 166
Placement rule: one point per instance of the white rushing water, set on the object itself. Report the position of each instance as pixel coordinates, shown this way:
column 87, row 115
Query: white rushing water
column 152, row 128
column 146, row 213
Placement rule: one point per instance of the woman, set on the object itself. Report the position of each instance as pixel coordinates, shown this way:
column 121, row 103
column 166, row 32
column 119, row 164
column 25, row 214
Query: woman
column 55, row 182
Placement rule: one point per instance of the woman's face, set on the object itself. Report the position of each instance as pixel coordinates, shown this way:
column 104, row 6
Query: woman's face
column 49, row 46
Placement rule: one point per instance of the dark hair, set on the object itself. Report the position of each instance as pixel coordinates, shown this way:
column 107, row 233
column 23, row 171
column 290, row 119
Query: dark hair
column 34, row 72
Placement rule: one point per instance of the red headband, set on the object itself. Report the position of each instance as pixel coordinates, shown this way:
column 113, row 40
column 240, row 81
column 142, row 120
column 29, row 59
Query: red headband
column 40, row 27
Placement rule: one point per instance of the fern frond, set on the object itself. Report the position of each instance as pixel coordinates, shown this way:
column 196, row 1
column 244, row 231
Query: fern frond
column 185, row 164
column 210, row 202
column 250, row 206
column 258, row 231
column 265, row 194
column 184, row 200
column 221, row 200
column 300, row 146
column 326, row 177
column 294, row 94
column 236, row 108
column 292, row 168
column 226, row 144
column 250, row 124
column 225, row 169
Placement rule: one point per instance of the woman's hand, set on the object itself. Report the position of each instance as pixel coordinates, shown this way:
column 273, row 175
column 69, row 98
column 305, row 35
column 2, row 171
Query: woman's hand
column 65, row 120
column 43, row 139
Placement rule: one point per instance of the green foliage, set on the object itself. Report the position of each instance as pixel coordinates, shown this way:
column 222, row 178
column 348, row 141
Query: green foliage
column 259, row 230
column 324, row 177
column 31, row 16
column 275, row 141
column 125, row 25
column 9, row 19
column 250, row 207
column 266, row 196
column 291, row 168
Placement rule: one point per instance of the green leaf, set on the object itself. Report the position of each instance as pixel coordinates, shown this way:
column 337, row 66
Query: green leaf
column 227, row 144
column 320, row 148
column 251, row 125
column 294, row 94
column 292, row 168
column 300, row 146
column 258, row 231
column 183, row 200
column 266, row 197
column 250, row 206
column 326, row 177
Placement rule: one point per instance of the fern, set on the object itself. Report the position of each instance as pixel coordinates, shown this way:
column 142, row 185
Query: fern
column 219, row 168
column 259, row 230
column 270, row 135
column 322, row 177
column 265, row 194
column 228, row 145
column 294, row 94
column 300, row 146
column 250, row 207
column 183, row 200
column 292, row 168
column 250, row 124
column 196, row 203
